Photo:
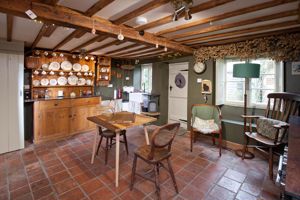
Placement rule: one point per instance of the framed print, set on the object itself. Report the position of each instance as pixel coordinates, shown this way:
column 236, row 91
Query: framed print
column 295, row 68
column 206, row 87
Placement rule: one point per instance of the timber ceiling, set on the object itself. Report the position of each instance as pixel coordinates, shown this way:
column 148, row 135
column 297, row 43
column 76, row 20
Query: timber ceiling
column 66, row 24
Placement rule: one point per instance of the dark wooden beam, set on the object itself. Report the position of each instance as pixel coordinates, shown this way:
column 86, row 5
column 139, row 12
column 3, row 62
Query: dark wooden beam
column 136, row 51
column 98, row 38
column 203, row 6
column 141, row 10
column 39, row 36
column 223, row 16
column 51, row 28
column 74, row 19
column 122, row 49
column 145, row 54
column 9, row 24
column 97, row 7
column 243, row 31
column 104, row 46
column 236, row 24
column 244, row 38
column 66, row 40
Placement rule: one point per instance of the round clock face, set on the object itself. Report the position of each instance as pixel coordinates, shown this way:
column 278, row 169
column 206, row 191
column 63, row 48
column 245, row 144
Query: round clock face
column 199, row 67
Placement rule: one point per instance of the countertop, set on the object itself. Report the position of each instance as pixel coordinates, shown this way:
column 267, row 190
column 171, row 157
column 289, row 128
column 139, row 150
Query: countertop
column 58, row 98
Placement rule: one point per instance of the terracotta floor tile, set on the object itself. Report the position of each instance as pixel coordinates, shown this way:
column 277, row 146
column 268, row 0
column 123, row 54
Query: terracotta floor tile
column 244, row 196
column 234, row 175
column 39, row 184
column 202, row 184
column 191, row 192
column 84, row 177
column 201, row 162
column 102, row 193
column 55, row 169
column 220, row 193
column 92, row 185
column 185, row 175
column 72, row 195
column 20, row 192
column 64, row 186
column 229, row 184
column 17, row 184
column 135, row 194
column 46, row 191
column 56, row 178
column 27, row 196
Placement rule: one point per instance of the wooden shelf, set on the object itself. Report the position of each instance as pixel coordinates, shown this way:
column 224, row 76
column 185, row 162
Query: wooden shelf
column 54, row 86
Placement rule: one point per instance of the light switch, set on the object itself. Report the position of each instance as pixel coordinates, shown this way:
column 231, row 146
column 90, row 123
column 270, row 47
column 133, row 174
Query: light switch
column 199, row 80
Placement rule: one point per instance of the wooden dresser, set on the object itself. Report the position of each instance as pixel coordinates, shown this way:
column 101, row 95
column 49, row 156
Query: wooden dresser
column 56, row 119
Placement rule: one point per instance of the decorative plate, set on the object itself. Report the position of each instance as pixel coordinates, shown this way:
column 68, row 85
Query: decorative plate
column 54, row 66
column 62, row 80
column 88, row 82
column 44, row 82
column 81, row 81
column 77, row 67
column 72, row 80
column 53, row 82
column 85, row 68
column 66, row 65
column 45, row 66
column 35, row 82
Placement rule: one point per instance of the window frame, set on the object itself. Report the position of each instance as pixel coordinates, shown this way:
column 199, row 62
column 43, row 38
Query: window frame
column 145, row 66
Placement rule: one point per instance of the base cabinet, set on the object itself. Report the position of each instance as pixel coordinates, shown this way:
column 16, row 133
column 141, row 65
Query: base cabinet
column 56, row 119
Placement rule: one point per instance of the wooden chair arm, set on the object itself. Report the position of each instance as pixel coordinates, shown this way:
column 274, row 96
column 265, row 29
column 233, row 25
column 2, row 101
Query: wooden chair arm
column 251, row 116
column 280, row 126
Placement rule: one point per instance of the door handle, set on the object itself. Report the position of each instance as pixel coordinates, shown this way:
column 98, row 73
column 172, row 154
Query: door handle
column 171, row 88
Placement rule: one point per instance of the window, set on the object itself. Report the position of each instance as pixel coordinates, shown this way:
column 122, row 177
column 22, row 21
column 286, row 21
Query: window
column 146, row 78
column 230, row 90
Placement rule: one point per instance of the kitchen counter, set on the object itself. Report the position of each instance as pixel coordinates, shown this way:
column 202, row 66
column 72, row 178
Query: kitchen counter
column 58, row 98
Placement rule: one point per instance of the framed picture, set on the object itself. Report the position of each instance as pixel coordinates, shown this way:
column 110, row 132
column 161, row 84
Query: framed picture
column 206, row 87
column 295, row 68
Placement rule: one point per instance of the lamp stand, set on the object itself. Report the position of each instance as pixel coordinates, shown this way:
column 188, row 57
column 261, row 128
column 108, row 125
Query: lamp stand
column 239, row 152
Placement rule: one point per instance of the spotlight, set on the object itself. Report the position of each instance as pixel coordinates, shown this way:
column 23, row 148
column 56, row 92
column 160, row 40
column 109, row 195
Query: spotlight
column 73, row 56
column 165, row 49
column 86, row 57
column 141, row 32
column 61, row 55
column 120, row 36
column 187, row 15
column 92, row 58
column 156, row 45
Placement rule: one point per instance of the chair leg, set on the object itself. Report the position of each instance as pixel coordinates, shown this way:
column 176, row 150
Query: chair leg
column 172, row 175
column 192, row 138
column 271, row 163
column 106, row 150
column 245, row 147
column 133, row 172
column 157, row 182
column 220, row 143
column 99, row 144
column 125, row 141
column 213, row 138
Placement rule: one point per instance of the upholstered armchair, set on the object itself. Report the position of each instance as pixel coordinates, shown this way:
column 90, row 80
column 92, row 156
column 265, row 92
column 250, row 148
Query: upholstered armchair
column 206, row 119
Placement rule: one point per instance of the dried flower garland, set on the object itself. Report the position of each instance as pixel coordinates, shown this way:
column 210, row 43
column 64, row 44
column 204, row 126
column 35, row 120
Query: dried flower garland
column 284, row 47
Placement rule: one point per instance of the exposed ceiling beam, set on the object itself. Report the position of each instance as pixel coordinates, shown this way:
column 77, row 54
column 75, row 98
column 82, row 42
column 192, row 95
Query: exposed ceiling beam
column 244, row 38
column 133, row 50
column 50, row 2
column 90, row 12
column 195, row 9
column 74, row 19
column 122, row 49
column 39, row 35
column 66, row 40
column 236, row 24
column 104, row 46
column 243, row 31
column 144, row 55
column 97, row 7
column 136, row 51
column 9, row 24
column 223, row 16
column 98, row 38
column 49, row 30
column 141, row 10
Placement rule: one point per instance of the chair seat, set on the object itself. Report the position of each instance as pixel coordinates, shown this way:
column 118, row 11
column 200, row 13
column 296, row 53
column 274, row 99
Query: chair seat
column 159, row 154
column 262, row 139
column 109, row 134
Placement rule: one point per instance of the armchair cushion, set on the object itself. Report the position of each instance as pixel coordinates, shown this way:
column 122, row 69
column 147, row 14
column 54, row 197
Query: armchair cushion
column 205, row 126
column 265, row 127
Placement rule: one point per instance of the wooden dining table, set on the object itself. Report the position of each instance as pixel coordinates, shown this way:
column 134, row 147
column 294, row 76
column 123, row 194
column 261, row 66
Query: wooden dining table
column 104, row 120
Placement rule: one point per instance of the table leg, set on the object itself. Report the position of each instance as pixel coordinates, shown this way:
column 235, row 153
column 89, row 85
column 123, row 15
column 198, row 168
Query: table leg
column 146, row 135
column 95, row 145
column 117, row 157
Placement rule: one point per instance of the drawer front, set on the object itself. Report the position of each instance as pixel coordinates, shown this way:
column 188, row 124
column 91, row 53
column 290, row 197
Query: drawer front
column 54, row 104
column 85, row 101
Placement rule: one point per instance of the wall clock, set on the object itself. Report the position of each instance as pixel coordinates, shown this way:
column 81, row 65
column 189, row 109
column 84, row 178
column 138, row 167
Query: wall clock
column 199, row 67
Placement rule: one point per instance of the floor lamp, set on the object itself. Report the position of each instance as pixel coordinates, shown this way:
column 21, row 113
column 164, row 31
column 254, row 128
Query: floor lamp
column 246, row 70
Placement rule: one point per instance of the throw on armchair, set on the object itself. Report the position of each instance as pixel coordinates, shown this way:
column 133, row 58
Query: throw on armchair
column 206, row 119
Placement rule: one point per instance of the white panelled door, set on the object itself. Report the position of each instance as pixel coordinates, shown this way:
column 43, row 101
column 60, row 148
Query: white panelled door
column 11, row 102
column 178, row 90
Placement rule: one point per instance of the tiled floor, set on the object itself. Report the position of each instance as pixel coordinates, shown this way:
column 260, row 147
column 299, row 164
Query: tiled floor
column 62, row 170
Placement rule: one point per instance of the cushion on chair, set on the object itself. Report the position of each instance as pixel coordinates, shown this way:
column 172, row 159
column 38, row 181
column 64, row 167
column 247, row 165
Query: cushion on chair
column 205, row 126
column 265, row 127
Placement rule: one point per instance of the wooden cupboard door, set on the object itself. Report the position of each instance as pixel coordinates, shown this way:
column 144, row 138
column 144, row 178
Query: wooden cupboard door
column 54, row 123
column 79, row 123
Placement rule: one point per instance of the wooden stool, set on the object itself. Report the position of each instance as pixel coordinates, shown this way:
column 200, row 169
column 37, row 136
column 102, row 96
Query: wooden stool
column 110, row 136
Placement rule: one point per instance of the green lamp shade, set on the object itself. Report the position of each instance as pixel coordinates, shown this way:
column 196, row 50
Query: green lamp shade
column 246, row 70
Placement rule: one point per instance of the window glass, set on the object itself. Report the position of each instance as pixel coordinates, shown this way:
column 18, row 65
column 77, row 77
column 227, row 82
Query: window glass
column 146, row 79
